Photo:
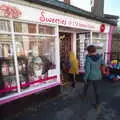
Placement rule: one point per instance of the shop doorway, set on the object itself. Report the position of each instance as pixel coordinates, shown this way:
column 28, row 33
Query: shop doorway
column 65, row 44
column 65, row 48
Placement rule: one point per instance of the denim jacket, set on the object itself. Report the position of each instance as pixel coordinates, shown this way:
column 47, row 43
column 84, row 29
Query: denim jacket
column 92, row 67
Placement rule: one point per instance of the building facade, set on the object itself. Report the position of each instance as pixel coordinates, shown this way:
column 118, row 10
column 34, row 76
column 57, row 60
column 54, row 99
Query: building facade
column 36, row 35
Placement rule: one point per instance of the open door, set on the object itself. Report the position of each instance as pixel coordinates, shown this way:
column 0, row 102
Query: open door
column 65, row 48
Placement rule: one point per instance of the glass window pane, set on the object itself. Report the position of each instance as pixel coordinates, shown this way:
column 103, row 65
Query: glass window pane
column 24, row 27
column 32, row 28
column 4, row 26
column 36, row 55
column 7, row 67
column 100, row 40
column 99, row 35
column 46, row 29
column 100, row 44
column 20, row 27
column 17, row 27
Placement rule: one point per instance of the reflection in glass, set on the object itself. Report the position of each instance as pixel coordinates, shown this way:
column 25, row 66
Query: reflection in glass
column 24, row 27
column 7, row 67
column 4, row 26
column 46, row 29
column 36, row 55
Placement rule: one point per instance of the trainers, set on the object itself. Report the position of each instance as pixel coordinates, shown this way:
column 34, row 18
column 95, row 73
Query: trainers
column 73, row 85
column 83, row 97
column 97, row 107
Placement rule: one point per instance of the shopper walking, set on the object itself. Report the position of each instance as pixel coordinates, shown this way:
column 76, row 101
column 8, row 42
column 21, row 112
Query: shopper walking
column 93, row 73
column 73, row 68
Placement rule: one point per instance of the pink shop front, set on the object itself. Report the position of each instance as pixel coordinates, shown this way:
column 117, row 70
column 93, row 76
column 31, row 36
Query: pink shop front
column 30, row 46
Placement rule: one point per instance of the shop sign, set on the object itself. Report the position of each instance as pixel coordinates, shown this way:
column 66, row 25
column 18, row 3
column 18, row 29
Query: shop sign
column 9, row 11
column 46, row 17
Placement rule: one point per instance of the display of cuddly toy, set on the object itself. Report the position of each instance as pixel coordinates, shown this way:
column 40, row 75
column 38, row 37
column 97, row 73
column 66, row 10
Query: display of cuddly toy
column 114, row 69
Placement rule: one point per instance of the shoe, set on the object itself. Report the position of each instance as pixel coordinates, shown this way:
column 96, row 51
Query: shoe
column 73, row 85
column 97, row 107
column 83, row 97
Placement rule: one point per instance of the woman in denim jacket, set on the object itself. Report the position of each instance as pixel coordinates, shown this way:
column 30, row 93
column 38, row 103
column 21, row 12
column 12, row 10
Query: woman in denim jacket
column 92, row 72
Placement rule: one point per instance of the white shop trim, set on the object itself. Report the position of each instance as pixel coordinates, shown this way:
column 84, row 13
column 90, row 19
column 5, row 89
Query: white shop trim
column 15, row 57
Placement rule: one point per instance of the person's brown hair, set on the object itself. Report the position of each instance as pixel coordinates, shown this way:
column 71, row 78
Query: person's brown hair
column 91, row 49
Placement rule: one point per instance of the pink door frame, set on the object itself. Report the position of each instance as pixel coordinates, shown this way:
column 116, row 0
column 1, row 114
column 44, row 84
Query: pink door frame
column 112, row 28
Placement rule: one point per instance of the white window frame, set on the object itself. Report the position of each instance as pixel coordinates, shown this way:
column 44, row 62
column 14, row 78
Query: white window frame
column 12, row 33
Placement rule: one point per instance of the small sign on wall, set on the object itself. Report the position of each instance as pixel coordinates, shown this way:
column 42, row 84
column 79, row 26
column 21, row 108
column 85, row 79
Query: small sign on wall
column 102, row 28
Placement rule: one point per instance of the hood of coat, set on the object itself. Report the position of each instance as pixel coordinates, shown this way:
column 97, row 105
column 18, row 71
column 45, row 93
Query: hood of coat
column 94, row 57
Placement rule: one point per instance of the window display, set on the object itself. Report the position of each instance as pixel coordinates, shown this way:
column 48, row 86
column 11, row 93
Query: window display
column 38, row 58
column 35, row 56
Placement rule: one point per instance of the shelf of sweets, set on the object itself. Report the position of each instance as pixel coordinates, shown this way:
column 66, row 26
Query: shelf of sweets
column 11, row 58
column 114, row 70
column 7, row 67
column 13, row 75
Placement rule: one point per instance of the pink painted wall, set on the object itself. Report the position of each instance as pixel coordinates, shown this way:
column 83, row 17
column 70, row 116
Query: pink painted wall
column 112, row 28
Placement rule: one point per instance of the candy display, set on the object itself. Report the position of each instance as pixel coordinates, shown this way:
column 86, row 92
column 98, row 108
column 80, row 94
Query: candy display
column 11, row 69
column 20, row 66
column 5, row 69
column 37, row 67
column 114, row 69
column 8, row 74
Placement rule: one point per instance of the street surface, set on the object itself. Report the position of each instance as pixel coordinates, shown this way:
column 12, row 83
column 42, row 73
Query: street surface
column 69, row 106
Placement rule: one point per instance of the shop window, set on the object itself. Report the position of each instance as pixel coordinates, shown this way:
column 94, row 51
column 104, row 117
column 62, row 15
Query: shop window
column 99, row 35
column 46, row 29
column 100, row 40
column 36, row 60
column 4, row 26
column 17, row 27
column 36, row 56
column 7, row 67
column 20, row 27
column 32, row 28
column 24, row 27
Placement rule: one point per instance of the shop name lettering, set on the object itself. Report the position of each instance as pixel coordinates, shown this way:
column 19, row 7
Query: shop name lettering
column 51, row 20
column 64, row 22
